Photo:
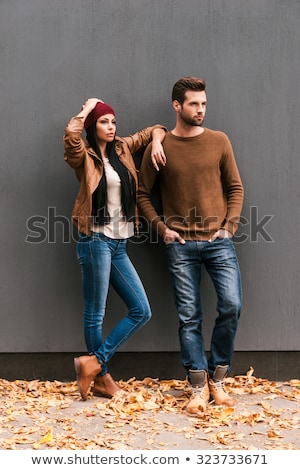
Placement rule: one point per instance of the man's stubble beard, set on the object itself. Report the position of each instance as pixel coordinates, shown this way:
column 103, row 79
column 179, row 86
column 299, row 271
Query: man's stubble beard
column 191, row 121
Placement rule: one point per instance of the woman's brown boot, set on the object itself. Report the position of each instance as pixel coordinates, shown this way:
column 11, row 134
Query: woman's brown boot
column 105, row 386
column 86, row 367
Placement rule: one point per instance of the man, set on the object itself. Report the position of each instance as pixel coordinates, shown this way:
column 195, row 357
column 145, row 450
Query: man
column 202, row 196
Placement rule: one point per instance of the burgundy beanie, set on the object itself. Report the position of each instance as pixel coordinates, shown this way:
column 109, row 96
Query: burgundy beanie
column 99, row 110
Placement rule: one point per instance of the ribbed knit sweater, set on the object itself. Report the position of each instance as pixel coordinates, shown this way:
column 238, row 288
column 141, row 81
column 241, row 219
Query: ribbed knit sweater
column 200, row 186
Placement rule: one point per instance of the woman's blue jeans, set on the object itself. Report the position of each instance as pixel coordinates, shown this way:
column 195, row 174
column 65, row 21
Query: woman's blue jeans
column 220, row 260
column 104, row 261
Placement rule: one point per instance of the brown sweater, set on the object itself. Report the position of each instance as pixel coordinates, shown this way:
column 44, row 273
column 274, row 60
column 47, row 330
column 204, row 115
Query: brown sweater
column 200, row 186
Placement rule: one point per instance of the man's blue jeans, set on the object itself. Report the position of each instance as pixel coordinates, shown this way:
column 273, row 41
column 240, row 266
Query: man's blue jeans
column 105, row 261
column 220, row 261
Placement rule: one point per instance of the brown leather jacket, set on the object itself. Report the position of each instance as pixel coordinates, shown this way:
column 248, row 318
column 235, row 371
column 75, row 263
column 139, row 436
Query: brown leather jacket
column 80, row 157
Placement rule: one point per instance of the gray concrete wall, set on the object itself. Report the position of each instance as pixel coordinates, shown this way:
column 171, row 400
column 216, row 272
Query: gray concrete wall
column 53, row 56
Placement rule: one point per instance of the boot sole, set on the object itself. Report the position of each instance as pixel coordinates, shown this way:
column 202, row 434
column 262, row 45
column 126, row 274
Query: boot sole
column 78, row 375
column 98, row 394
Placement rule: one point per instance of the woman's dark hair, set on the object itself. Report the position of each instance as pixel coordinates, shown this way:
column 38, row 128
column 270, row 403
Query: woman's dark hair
column 128, row 190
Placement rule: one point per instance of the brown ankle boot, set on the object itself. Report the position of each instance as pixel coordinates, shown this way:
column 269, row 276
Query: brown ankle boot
column 216, row 387
column 86, row 367
column 200, row 396
column 105, row 386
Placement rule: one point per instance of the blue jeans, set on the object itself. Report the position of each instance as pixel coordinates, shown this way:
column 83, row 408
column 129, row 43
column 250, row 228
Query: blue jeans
column 104, row 261
column 220, row 261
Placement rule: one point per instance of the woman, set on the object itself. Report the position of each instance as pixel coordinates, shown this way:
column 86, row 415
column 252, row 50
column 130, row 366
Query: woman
column 105, row 214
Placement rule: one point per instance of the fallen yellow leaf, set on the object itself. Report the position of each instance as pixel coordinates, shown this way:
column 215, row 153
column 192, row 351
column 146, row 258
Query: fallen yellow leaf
column 47, row 438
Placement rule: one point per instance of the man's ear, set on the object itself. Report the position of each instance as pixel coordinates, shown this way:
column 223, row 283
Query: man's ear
column 176, row 105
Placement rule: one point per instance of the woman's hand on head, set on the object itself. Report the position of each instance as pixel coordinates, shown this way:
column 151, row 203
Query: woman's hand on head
column 91, row 103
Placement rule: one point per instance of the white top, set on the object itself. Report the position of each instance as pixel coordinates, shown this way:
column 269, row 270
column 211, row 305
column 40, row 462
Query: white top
column 118, row 227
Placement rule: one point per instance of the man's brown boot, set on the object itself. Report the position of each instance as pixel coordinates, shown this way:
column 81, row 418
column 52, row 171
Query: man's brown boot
column 216, row 387
column 86, row 367
column 105, row 386
column 200, row 396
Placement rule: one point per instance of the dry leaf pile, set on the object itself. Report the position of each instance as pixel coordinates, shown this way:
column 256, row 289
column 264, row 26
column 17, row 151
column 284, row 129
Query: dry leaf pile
column 148, row 414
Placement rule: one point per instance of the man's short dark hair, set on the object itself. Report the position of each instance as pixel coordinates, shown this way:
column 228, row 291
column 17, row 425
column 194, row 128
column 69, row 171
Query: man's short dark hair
column 186, row 84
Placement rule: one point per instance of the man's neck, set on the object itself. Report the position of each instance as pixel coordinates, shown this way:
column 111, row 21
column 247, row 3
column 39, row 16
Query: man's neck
column 187, row 130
